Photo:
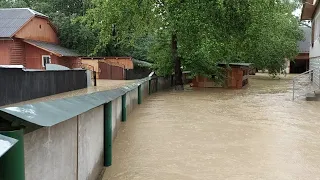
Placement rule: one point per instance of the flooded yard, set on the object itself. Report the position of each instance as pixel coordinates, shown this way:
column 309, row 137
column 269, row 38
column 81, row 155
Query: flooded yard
column 254, row 133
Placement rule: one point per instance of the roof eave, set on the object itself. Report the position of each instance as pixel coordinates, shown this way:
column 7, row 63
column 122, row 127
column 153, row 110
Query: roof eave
column 56, row 54
column 308, row 10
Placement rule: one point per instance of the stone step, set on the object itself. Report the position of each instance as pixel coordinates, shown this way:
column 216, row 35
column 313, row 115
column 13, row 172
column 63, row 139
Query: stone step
column 312, row 97
column 317, row 93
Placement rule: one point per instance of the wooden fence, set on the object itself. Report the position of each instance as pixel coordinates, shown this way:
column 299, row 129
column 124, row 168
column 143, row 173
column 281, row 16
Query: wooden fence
column 137, row 73
column 17, row 85
column 108, row 71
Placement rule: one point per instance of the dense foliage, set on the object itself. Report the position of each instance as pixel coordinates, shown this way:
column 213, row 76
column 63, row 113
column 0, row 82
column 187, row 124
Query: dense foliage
column 202, row 33
column 193, row 34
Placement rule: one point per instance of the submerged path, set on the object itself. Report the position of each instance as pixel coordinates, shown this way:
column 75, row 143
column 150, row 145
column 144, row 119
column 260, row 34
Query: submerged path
column 254, row 133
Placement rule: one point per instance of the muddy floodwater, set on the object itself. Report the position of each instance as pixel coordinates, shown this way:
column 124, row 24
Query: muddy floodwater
column 208, row 134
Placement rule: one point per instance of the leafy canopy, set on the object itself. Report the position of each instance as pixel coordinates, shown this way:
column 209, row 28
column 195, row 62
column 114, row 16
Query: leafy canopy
column 263, row 32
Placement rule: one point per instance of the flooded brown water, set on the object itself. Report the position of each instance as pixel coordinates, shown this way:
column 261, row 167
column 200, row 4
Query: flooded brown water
column 254, row 133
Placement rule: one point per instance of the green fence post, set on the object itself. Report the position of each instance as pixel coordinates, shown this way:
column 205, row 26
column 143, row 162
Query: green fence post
column 157, row 84
column 149, row 86
column 124, row 108
column 108, row 134
column 139, row 95
column 12, row 163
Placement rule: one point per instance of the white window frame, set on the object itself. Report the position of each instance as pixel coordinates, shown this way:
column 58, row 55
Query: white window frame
column 42, row 59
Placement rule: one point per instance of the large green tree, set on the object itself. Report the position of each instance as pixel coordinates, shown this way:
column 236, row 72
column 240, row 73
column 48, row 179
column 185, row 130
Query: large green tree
column 273, row 34
column 193, row 34
column 198, row 34
column 182, row 30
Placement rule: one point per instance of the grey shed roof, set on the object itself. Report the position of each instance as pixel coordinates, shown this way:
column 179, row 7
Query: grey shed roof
column 11, row 20
column 304, row 45
column 141, row 63
column 53, row 48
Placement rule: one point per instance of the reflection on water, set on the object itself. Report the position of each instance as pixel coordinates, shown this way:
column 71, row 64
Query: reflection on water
column 254, row 133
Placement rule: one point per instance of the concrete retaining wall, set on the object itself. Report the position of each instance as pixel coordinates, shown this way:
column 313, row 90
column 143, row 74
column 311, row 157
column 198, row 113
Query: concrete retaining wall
column 145, row 90
column 116, row 116
column 132, row 100
column 51, row 153
column 90, row 143
column 74, row 149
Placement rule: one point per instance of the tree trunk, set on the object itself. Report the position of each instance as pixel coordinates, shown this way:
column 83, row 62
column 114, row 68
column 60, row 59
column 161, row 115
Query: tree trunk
column 177, row 63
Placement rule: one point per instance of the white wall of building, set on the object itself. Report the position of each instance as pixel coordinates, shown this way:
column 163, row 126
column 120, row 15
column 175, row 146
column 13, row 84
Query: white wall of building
column 315, row 50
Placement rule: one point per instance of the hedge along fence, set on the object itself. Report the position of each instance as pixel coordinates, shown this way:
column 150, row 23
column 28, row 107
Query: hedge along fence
column 18, row 85
column 92, row 116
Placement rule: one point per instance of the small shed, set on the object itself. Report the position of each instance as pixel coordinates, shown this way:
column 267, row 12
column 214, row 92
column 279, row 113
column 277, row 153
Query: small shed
column 236, row 77
column 108, row 67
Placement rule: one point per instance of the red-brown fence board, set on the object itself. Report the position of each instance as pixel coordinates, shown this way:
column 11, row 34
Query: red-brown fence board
column 107, row 71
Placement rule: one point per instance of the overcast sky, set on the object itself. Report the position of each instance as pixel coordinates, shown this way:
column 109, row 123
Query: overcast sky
column 297, row 12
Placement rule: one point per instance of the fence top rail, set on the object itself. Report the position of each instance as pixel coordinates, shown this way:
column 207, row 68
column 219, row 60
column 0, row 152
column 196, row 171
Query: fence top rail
column 307, row 72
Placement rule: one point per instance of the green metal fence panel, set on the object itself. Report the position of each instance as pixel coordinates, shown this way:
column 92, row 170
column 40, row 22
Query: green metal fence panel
column 12, row 162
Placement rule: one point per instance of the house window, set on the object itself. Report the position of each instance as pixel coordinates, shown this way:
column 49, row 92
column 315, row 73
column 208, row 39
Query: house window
column 46, row 59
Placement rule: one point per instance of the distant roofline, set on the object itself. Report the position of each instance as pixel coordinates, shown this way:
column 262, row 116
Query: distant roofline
column 110, row 57
column 33, row 14
column 36, row 13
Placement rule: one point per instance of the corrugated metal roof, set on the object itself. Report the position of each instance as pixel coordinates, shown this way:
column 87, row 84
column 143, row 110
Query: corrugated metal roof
column 6, row 143
column 304, row 45
column 11, row 20
column 50, row 113
column 141, row 63
column 53, row 48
